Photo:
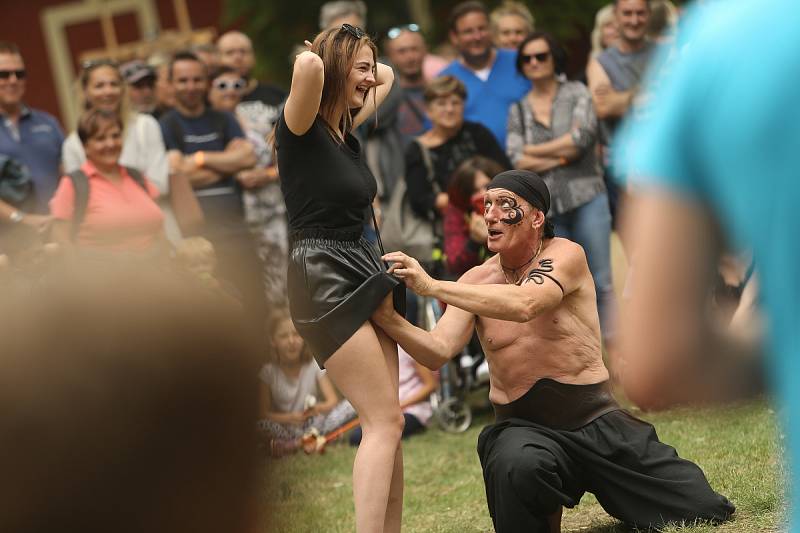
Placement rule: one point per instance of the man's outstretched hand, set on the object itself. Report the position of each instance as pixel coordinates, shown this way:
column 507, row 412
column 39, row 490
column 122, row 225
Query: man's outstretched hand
column 411, row 272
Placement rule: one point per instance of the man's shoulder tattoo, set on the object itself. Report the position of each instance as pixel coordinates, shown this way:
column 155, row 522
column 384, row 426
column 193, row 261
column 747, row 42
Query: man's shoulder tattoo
column 538, row 273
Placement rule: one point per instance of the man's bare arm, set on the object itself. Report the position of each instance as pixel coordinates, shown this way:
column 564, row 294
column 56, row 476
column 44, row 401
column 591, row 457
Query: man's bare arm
column 430, row 348
column 516, row 303
column 384, row 78
column 670, row 348
column 238, row 155
column 607, row 102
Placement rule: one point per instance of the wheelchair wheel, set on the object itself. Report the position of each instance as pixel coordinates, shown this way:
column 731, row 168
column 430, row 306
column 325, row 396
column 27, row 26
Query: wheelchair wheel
column 453, row 415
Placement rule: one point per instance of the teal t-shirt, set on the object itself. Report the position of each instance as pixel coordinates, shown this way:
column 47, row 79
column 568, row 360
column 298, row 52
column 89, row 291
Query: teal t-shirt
column 723, row 129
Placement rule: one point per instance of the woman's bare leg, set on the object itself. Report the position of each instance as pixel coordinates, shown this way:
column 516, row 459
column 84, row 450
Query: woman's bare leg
column 394, row 509
column 360, row 371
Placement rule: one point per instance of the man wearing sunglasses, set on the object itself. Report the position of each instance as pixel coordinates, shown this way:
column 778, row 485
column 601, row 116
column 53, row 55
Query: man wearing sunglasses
column 406, row 50
column 29, row 137
column 492, row 81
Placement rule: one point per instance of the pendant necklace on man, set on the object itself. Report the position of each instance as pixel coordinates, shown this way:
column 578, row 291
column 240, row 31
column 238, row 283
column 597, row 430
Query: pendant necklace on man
column 521, row 267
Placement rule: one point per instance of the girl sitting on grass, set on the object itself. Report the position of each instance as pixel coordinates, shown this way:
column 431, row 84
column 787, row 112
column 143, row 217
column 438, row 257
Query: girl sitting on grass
column 296, row 395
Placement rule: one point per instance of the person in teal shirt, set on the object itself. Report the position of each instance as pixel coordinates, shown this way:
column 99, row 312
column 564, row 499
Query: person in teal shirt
column 717, row 149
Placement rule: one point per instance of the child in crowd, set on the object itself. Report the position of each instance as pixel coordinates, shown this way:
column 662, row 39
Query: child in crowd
column 416, row 385
column 197, row 257
column 296, row 395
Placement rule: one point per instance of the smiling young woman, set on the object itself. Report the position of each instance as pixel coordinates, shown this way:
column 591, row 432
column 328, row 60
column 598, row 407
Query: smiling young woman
column 336, row 279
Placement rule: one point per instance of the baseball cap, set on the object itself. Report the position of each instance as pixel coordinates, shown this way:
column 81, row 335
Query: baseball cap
column 136, row 70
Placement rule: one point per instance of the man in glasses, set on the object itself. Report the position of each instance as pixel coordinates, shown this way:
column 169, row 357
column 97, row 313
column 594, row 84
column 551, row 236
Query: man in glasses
column 492, row 81
column 406, row 50
column 265, row 209
column 31, row 138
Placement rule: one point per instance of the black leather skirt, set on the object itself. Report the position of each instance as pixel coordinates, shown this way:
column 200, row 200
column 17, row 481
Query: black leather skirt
column 336, row 280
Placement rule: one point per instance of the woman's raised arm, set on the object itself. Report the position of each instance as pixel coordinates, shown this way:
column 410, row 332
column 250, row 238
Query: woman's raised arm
column 305, row 94
column 384, row 77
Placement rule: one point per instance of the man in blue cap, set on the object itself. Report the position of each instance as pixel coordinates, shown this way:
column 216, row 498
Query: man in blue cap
column 558, row 431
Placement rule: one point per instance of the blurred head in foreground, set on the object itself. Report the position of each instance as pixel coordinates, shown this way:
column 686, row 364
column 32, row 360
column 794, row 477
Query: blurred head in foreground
column 127, row 404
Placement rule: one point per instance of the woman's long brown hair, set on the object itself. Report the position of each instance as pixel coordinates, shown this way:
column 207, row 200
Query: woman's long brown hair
column 338, row 48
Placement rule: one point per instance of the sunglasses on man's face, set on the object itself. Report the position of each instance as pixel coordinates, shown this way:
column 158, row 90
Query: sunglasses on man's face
column 355, row 31
column 19, row 74
column 540, row 57
column 395, row 32
column 224, row 85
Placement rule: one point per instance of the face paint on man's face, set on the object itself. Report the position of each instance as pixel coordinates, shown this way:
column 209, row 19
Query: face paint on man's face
column 514, row 211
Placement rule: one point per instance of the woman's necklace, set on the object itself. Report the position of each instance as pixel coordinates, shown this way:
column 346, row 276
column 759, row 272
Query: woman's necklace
column 521, row 267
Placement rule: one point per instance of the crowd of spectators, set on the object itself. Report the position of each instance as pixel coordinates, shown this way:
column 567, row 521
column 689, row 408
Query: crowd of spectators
column 165, row 137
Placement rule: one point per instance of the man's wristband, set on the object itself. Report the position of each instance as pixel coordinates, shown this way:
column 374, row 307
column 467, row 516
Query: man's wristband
column 563, row 161
column 15, row 217
column 199, row 159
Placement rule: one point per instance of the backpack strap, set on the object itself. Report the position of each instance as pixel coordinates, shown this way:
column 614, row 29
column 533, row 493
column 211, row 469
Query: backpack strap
column 80, row 183
column 137, row 177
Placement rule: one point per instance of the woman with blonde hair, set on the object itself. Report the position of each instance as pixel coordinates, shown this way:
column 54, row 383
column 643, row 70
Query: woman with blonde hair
column 510, row 23
column 103, row 88
column 335, row 277
column 605, row 32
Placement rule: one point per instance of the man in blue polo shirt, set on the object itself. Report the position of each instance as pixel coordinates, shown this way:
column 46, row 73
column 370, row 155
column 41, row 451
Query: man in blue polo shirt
column 716, row 158
column 489, row 73
column 30, row 137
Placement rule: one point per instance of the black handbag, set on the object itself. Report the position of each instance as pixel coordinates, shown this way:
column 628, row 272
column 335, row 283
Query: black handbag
column 15, row 181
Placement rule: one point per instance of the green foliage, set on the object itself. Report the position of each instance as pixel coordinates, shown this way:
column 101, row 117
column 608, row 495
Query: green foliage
column 276, row 27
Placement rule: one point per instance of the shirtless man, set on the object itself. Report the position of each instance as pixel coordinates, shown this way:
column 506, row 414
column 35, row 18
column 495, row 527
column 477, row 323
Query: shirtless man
column 558, row 430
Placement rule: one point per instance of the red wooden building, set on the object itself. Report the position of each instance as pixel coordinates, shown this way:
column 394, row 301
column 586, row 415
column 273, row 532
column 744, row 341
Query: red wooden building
column 54, row 35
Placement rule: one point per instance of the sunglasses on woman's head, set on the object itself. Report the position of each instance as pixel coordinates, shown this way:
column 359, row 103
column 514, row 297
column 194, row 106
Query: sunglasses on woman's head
column 6, row 74
column 541, row 57
column 355, row 31
column 224, row 85
column 94, row 63
column 395, row 32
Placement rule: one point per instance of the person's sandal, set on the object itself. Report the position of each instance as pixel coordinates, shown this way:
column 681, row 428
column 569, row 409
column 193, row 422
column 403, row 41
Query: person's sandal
column 282, row 447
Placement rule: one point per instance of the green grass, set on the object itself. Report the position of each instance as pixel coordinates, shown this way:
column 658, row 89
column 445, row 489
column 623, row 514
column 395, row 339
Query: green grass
column 738, row 447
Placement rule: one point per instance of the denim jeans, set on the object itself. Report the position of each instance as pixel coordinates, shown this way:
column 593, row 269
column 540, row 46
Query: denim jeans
column 590, row 226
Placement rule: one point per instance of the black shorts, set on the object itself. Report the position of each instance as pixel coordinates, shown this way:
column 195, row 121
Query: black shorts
column 336, row 280
column 530, row 471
